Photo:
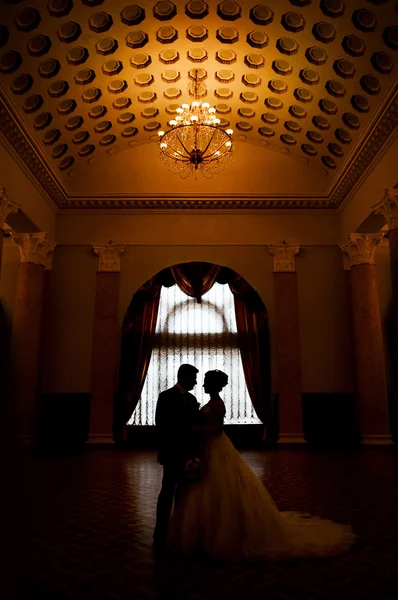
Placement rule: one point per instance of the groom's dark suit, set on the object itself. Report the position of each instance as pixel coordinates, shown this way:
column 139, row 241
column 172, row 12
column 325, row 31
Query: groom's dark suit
column 176, row 413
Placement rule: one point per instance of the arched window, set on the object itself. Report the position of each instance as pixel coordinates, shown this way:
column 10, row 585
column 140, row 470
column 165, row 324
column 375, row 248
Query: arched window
column 204, row 335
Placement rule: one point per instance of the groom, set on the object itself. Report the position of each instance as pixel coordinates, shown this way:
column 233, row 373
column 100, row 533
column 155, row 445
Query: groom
column 176, row 412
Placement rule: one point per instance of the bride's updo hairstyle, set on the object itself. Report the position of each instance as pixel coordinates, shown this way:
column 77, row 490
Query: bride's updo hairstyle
column 216, row 379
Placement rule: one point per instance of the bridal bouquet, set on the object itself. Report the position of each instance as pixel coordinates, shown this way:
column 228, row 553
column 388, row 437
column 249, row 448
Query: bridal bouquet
column 193, row 469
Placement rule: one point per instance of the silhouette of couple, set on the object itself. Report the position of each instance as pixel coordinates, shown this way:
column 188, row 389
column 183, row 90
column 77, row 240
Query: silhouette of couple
column 224, row 512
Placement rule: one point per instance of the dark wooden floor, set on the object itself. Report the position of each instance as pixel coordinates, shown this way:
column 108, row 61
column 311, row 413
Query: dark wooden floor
column 86, row 526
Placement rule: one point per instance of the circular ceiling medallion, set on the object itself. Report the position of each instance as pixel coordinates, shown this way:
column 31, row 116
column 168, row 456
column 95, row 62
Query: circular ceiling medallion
column 100, row 22
column 248, row 97
column 69, row 32
column 66, row 163
column 309, row 76
column 360, row 103
column 125, row 118
column 140, row 60
column 287, row 46
column 58, row 88
column 117, row 86
column 170, row 75
column 315, row 137
column 223, row 93
column 382, row 62
column 197, row 33
column 333, row 8
column 229, row 11
column 293, row 21
column 251, row 79
column 77, row 55
column 273, row 103
column 169, row 56
column 59, row 150
column 353, row 45
column 370, row 84
column 42, row 120
column 364, row 20
column 303, row 95
column 316, row 55
column 327, row 106
column 129, row 132
column 278, row 86
column 21, row 84
column 197, row 74
column 59, row 8
column 225, row 123
column 132, row 15
column 321, row 122
column 261, row 15
column 335, row 88
column 335, row 149
column 38, row 45
column 10, row 61
column 51, row 136
column 121, row 103
column 143, row 79
column 146, row 97
column 343, row 136
column 244, row 126
column 167, row 34
column 257, row 39
column 66, row 106
column 197, row 54
column 351, row 120
column 32, row 103
column 324, row 32
column 226, row 57
column 172, row 93
column 137, row 39
column 164, row 11
column 86, row 150
column 282, row 67
column 329, row 162
column 27, row 19
column 74, row 123
column 97, row 112
column 106, row 46
column 269, row 118
column 84, row 77
column 309, row 149
column 150, row 113
column 80, row 137
column 224, row 75
column 223, row 109
column 344, row 68
column 91, row 95
column 254, row 60
column 152, row 126
column 196, row 9
column 112, row 67
column 102, row 126
column 49, row 68
column 288, row 139
column 292, row 126
column 390, row 37
column 266, row 131
column 297, row 111
column 246, row 113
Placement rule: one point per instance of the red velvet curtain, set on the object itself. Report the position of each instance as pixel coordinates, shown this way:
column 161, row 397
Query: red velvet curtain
column 139, row 325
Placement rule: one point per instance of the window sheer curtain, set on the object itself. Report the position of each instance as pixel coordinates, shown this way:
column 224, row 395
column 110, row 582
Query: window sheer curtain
column 205, row 335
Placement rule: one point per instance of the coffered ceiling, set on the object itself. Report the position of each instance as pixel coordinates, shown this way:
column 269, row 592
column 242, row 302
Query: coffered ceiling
column 84, row 80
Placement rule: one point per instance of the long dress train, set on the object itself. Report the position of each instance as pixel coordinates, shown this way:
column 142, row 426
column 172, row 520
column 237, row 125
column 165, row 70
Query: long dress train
column 229, row 514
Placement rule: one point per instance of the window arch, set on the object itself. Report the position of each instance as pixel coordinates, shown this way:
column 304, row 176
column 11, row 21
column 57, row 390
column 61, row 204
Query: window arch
column 205, row 335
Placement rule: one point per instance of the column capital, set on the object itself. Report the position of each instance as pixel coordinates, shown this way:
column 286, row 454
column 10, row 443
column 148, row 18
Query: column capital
column 283, row 255
column 33, row 247
column 388, row 207
column 361, row 247
column 7, row 206
column 108, row 257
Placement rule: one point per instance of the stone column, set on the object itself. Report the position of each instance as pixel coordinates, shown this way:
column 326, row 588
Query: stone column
column 26, row 329
column 45, row 346
column 287, row 341
column 105, row 342
column 7, row 207
column 388, row 207
column 371, row 391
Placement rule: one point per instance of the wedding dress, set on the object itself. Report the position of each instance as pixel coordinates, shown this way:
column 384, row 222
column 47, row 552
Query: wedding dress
column 229, row 514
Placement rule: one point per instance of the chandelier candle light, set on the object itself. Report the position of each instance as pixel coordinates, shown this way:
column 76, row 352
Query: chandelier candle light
column 195, row 141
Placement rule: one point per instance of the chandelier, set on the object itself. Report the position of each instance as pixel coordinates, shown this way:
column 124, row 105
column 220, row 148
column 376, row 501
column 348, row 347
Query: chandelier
column 195, row 143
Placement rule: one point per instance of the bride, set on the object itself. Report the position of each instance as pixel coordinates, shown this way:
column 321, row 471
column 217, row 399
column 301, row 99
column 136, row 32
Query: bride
column 229, row 514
